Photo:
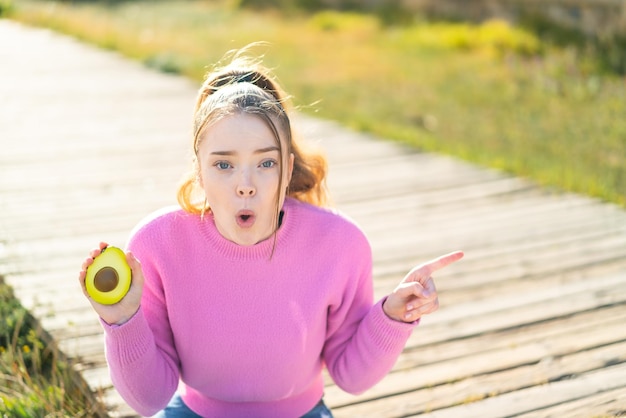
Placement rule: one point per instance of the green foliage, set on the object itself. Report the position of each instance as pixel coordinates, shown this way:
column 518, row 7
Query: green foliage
column 164, row 62
column 6, row 7
column 261, row 4
column 16, row 331
column 311, row 5
column 341, row 21
column 389, row 12
column 493, row 35
column 392, row 12
column 34, row 381
column 284, row 5
column 608, row 52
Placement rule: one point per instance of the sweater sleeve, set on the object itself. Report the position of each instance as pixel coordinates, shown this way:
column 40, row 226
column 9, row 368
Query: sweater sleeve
column 362, row 343
column 141, row 353
column 137, row 367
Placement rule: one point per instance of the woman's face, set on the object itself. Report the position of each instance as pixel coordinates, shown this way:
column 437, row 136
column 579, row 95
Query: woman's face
column 239, row 164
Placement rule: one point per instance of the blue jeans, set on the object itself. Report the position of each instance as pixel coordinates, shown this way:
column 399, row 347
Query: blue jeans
column 177, row 409
column 319, row 411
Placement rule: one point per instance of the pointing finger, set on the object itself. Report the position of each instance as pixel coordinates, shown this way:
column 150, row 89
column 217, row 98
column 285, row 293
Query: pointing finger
column 438, row 263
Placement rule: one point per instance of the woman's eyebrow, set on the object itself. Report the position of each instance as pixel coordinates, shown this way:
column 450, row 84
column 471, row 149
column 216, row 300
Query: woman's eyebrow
column 267, row 149
column 223, row 153
column 258, row 151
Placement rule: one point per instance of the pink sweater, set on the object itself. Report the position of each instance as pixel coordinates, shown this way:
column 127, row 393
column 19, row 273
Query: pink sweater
column 246, row 334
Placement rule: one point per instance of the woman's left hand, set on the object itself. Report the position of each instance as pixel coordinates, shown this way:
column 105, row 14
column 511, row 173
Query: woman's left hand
column 416, row 295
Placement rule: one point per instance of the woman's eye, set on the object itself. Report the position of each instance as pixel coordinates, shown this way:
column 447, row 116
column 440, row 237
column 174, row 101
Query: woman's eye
column 222, row 165
column 268, row 163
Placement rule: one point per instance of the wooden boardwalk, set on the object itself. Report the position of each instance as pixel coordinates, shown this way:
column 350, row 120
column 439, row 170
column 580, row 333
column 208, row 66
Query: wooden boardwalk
column 532, row 321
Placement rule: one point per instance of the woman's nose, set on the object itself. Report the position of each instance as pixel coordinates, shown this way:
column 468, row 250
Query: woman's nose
column 245, row 190
column 245, row 187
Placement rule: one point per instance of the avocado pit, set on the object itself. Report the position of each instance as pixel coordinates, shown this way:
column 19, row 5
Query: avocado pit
column 106, row 279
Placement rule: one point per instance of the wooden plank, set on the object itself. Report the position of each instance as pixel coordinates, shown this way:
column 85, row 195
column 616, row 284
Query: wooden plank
column 611, row 403
column 533, row 399
column 520, row 261
column 564, row 263
column 537, row 213
column 475, row 388
column 482, row 362
column 419, row 355
column 509, row 233
column 510, row 310
column 536, row 332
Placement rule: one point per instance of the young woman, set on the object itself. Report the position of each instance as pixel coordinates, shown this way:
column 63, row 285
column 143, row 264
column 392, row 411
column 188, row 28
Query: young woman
column 252, row 286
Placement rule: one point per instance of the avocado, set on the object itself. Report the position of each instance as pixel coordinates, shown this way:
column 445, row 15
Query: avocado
column 108, row 278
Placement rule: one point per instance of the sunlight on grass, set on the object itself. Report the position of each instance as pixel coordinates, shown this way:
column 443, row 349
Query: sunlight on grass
column 340, row 22
column 490, row 93
column 493, row 35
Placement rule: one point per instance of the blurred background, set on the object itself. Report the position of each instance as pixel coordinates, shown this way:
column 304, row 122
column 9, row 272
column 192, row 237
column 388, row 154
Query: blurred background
column 532, row 89
column 535, row 88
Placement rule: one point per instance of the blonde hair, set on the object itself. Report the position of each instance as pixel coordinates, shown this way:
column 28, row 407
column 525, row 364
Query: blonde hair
column 245, row 86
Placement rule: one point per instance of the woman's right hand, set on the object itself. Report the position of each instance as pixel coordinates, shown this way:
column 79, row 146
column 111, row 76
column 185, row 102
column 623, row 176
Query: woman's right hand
column 121, row 312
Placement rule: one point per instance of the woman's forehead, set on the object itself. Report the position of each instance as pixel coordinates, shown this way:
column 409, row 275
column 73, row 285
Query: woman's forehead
column 242, row 132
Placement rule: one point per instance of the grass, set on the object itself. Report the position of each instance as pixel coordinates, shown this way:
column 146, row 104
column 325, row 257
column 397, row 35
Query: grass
column 35, row 379
column 493, row 94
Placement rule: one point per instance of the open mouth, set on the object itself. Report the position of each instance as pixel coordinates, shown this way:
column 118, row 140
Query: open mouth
column 245, row 218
